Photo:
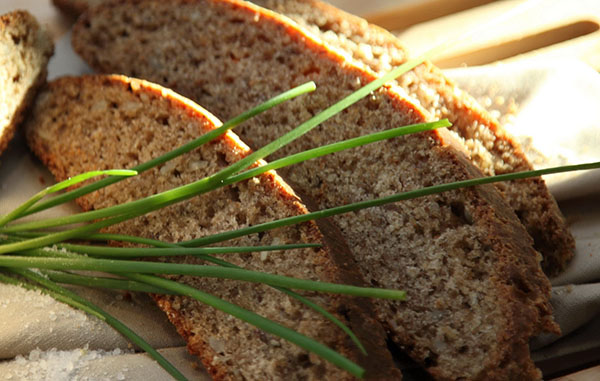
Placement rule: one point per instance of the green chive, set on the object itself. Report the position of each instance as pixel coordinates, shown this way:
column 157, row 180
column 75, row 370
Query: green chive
column 232, row 123
column 63, row 295
column 121, row 266
column 256, row 320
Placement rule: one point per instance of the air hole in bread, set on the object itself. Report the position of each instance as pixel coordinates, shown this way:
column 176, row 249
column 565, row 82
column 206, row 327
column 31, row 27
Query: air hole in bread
column 210, row 212
column 163, row 119
column 458, row 209
column 431, row 360
column 240, row 218
column 221, row 159
column 478, row 275
column 133, row 156
column 16, row 39
column 419, row 230
column 303, row 360
column 313, row 70
column 263, row 38
column 281, row 59
column 520, row 283
column 234, row 194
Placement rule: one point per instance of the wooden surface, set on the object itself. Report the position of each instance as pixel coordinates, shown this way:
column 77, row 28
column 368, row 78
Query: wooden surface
column 543, row 28
column 564, row 28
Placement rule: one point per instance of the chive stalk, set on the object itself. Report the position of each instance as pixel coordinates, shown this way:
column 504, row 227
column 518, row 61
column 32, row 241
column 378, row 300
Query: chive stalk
column 230, row 124
column 122, row 266
column 256, row 320
column 203, row 185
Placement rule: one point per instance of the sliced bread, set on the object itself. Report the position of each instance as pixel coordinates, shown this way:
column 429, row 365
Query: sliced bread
column 25, row 49
column 84, row 123
column 476, row 290
column 490, row 147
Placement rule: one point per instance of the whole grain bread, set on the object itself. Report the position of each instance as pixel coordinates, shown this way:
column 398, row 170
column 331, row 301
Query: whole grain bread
column 476, row 289
column 490, row 147
column 25, row 49
column 84, row 123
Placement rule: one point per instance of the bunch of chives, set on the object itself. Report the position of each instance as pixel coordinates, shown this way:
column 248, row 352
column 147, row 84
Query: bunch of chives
column 27, row 247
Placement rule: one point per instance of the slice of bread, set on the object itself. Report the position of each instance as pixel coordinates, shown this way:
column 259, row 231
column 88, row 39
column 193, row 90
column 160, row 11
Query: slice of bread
column 25, row 49
column 490, row 146
column 84, row 123
column 476, row 289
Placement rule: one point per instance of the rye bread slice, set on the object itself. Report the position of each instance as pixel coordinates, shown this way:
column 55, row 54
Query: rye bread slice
column 97, row 122
column 490, row 147
column 476, row 289
column 25, row 49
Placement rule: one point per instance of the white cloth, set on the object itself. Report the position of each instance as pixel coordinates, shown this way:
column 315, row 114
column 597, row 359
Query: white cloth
column 552, row 108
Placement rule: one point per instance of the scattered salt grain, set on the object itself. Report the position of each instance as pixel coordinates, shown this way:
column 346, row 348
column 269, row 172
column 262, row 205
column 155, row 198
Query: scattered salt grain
column 58, row 365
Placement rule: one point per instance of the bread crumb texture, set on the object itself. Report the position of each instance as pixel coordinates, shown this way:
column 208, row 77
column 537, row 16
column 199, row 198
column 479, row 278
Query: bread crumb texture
column 476, row 293
column 86, row 123
column 25, row 49
column 490, row 147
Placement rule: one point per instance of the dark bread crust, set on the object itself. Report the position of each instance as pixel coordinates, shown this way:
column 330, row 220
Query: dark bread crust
column 70, row 118
column 491, row 148
column 476, row 290
column 25, row 66
column 75, row 7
